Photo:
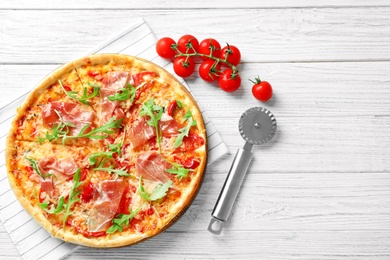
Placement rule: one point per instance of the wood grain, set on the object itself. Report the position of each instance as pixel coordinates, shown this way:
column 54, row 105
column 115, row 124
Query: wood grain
column 257, row 244
column 337, row 89
column 327, row 114
column 263, row 35
column 184, row 4
column 321, row 188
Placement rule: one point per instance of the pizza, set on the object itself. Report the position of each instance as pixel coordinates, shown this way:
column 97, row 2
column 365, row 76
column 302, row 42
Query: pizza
column 108, row 150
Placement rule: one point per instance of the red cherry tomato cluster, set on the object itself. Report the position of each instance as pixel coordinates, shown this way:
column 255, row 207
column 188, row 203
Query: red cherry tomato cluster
column 219, row 64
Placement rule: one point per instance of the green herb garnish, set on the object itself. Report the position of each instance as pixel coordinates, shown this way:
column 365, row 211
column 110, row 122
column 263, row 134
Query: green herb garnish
column 154, row 112
column 100, row 132
column 94, row 156
column 34, row 164
column 57, row 131
column 61, row 130
column 121, row 221
column 114, row 148
column 185, row 130
column 117, row 172
column 159, row 192
column 54, row 209
column 179, row 104
column 84, row 98
column 126, row 93
column 73, row 196
column 178, row 170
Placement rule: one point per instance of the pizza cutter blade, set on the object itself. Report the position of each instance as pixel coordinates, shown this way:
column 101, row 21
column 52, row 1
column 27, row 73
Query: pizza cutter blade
column 257, row 126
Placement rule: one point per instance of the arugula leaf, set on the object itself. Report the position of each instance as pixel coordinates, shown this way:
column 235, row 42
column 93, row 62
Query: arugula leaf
column 100, row 132
column 121, row 221
column 179, row 104
column 84, row 98
column 34, row 164
column 54, row 209
column 93, row 156
column 58, row 130
column 159, row 192
column 185, row 130
column 73, row 196
column 125, row 93
column 154, row 112
column 141, row 190
column 61, row 130
column 179, row 170
column 117, row 172
column 44, row 205
column 114, row 148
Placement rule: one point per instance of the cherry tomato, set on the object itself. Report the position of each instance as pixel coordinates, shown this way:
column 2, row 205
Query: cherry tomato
column 164, row 48
column 209, row 71
column 183, row 66
column 209, row 46
column 88, row 193
column 187, row 43
column 228, row 81
column 188, row 163
column 172, row 106
column 190, row 143
column 83, row 175
column 233, row 54
column 261, row 90
column 125, row 201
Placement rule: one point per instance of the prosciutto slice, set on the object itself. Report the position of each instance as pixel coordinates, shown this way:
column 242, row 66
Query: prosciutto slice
column 169, row 126
column 105, row 204
column 61, row 169
column 110, row 109
column 70, row 112
column 140, row 132
column 112, row 83
column 47, row 185
column 152, row 166
column 51, row 165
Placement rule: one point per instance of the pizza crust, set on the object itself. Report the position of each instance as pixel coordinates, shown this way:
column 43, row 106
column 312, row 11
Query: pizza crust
column 115, row 239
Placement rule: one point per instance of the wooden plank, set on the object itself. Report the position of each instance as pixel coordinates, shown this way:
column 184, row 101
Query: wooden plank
column 255, row 245
column 9, row 250
column 293, row 244
column 263, row 35
column 186, row 4
column 300, row 89
column 321, row 125
column 336, row 89
column 296, row 201
column 319, row 144
column 280, row 205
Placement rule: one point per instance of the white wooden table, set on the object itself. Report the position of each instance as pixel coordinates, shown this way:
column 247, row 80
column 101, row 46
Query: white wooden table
column 321, row 188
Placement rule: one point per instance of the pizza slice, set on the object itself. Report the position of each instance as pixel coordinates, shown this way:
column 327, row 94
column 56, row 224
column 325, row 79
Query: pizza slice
column 119, row 82
column 50, row 114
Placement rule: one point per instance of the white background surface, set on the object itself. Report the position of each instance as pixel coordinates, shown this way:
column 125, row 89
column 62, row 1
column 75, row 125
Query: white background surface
column 321, row 188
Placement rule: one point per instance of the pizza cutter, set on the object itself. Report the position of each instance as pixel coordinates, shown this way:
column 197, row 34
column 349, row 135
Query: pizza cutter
column 257, row 126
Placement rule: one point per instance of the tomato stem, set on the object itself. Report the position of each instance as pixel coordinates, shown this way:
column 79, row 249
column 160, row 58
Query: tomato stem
column 217, row 60
column 256, row 81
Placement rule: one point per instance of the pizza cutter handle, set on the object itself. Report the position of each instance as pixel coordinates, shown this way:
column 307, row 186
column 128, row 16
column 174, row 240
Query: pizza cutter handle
column 230, row 190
